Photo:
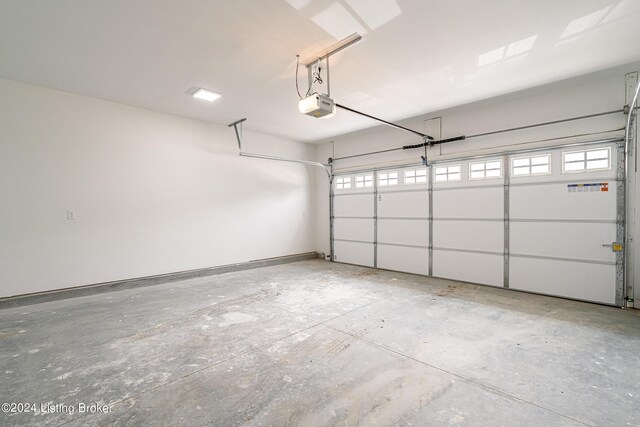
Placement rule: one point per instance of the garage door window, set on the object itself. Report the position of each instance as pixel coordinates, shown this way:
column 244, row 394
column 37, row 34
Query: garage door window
column 415, row 176
column 449, row 173
column 388, row 178
column 364, row 181
column 485, row 170
column 587, row 160
column 343, row 183
column 532, row 165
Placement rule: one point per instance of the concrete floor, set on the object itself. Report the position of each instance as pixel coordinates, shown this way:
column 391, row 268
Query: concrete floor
column 314, row 343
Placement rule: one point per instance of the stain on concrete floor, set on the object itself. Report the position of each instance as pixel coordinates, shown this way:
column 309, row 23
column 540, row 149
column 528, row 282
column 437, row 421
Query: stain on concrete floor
column 316, row 343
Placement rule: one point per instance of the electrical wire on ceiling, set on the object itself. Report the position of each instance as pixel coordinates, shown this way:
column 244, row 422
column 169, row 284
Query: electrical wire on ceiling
column 310, row 90
column 317, row 75
column 297, row 67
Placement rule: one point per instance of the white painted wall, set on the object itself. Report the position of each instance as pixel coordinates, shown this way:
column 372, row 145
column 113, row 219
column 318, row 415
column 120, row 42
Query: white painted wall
column 582, row 96
column 153, row 193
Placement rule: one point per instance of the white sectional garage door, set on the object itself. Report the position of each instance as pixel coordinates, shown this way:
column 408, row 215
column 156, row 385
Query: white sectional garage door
column 541, row 221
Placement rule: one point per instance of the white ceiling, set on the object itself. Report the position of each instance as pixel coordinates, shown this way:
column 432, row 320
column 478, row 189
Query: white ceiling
column 416, row 56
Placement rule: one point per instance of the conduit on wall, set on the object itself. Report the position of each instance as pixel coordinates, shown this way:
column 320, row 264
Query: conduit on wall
column 628, row 292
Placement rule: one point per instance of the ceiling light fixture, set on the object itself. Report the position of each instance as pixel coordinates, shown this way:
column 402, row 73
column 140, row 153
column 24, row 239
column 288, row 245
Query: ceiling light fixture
column 206, row 94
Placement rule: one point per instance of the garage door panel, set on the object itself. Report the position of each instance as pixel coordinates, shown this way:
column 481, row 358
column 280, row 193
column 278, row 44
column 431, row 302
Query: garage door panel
column 413, row 204
column 589, row 282
column 469, row 203
column 353, row 253
column 353, row 205
column 403, row 231
column 563, row 239
column 353, row 229
column 405, row 259
column 469, row 267
column 471, row 235
column 554, row 201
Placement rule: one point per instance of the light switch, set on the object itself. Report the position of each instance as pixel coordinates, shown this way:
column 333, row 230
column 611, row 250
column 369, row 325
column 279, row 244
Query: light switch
column 71, row 214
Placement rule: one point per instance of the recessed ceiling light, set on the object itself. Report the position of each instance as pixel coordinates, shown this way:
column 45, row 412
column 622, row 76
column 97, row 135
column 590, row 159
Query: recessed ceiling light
column 206, row 94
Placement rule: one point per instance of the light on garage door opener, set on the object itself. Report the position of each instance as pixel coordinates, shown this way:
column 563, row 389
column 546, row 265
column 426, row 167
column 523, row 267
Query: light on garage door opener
column 317, row 105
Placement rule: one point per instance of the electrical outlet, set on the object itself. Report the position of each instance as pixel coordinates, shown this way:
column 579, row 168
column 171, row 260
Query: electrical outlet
column 71, row 214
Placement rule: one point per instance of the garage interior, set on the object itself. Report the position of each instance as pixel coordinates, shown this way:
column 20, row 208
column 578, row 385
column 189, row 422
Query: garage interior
column 319, row 212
